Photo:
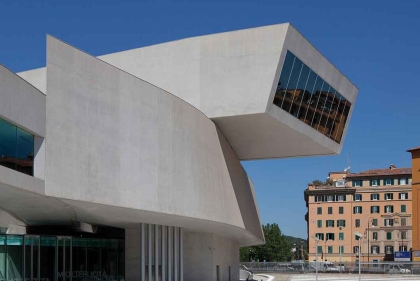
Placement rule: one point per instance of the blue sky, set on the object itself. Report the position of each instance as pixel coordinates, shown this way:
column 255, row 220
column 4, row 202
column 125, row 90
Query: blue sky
column 374, row 43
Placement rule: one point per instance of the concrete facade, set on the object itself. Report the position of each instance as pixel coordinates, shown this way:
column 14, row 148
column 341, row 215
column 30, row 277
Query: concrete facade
column 149, row 141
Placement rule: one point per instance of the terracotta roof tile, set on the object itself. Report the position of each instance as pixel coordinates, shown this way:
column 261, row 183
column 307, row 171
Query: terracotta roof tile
column 415, row 148
column 381, row 172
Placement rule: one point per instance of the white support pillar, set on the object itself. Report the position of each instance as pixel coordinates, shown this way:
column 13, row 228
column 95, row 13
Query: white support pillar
column 156, row 252
column 170, row 250
column 181, row 255
column 176, row 255
column 142, row 253
column 149, row 252
column 164, row 256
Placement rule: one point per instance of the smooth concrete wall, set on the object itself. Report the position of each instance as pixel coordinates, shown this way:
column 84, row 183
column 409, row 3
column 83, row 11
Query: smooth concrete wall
column 37, row 77
column 204, row 252
column 222, row 74
column 116, row 140
column 21, row 103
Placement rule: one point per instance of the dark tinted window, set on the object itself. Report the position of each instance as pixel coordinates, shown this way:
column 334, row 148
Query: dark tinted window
column 16, row 148
column 305, row 95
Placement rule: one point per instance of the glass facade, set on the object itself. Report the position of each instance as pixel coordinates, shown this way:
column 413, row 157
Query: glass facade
column 34, row 257
column 16, row 148
column 305, row 95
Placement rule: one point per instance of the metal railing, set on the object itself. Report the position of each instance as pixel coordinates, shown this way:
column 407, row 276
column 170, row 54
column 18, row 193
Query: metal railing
column 298, row 267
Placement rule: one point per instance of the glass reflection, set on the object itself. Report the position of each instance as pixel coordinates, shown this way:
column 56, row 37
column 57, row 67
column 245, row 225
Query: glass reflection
column 2, row 258
column 16, row 148
column 305, row 95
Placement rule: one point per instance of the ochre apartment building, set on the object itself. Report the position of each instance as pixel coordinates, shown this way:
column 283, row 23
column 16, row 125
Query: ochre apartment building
column 376, row 203
column 415, row 154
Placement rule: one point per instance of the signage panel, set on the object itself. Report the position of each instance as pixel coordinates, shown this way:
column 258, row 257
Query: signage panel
column 402, row 256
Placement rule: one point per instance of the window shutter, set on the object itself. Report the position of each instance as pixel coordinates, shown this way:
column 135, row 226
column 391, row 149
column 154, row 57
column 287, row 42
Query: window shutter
column 392, row 209
column 344, row 223
column 371, row 209
column 406, row 180
column 361, row 210
column 392, row 181
column 344, row 197
column 399, row 195
column 392, row 196
column 406, row 195
column 332, row 223
column 354, row 183
column 370, row 182
column 371, row 197
column 361, row 183
column 399, row 181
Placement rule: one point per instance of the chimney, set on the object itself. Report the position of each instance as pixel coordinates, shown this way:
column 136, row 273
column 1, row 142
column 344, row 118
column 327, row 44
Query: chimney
column 392, row 167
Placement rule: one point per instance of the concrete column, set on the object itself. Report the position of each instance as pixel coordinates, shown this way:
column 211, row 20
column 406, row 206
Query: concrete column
column 156, row 252
column 170, row 252
column 143, row 253
column 164, row 255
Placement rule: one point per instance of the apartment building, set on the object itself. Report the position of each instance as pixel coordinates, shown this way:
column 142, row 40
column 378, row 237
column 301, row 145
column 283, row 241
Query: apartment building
column 376, row 203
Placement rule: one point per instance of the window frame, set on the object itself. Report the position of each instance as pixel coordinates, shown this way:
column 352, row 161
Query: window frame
column 319, row 210
column 357, row 223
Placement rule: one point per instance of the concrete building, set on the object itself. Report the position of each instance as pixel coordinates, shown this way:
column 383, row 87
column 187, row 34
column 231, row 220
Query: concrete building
column 376, row 203
column 127, row 166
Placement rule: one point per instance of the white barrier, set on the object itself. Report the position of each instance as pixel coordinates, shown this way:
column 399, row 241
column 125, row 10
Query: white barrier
column 263, row 277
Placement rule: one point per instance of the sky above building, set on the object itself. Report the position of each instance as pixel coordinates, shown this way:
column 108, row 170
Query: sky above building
column 374, row 43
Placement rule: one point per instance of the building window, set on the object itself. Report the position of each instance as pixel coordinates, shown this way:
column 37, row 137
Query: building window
column 358, row 197
column 341, row 210
column 319, row 199
column 355, row 249
column 320, row 236
column 341, row 197
column 389, row 182
column 389, row 196
column 374, row 249
column 403, row 248
column 330, row 249
column 403, row 234
column 16, row 148
column 329, row 223
column 330, row 236
column 403, row 181
column 306, row 96
column 374, row 196
column 341, row 236
column 403, row 208
column 330, row 210
column 374, row 182
column 389, row 250
column 375, row 236
column 330, row 198
column 357, row 183
column 403, row 221
column 319, row 210
column 374, row 209
column 340, row 249
column 403, row 196
column 389, row 235
column 357, row 222
column 341, row 223
column 319, row 223
column 374, row 222
column 357, row 210
column 388, row 222
column 389, row 209
column 319, row 249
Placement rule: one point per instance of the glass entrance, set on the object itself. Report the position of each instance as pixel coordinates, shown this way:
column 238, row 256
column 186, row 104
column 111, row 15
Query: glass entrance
column 64, row 265
column 31, row 256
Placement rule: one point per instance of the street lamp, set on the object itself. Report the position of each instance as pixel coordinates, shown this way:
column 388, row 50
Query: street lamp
column 316, row 256
column 359, row 235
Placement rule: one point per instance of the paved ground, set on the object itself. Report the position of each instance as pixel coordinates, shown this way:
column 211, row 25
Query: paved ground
column 341, row 277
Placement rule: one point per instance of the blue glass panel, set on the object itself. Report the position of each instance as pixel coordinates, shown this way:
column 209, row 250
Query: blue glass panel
column 300, row 90
column 292, row 85
column 284, row 78
column 14, row 258
column 8, row 145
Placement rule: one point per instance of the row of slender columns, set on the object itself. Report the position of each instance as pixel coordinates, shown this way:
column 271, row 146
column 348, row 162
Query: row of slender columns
column 161, row 247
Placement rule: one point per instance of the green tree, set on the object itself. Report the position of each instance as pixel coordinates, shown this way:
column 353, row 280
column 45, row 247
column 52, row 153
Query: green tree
column 276, row 248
